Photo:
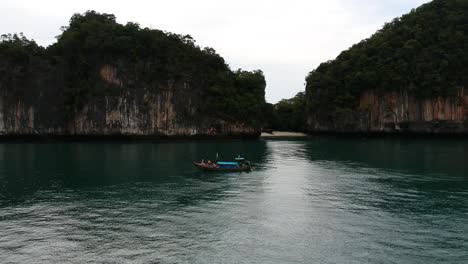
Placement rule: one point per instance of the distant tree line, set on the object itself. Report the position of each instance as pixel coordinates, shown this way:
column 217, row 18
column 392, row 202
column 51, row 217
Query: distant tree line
column 287, row 114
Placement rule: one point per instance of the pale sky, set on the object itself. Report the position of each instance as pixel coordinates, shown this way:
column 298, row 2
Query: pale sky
column 285, row 39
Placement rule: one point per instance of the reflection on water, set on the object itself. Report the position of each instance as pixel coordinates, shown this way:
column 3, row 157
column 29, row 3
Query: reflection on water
column 26, row 168
column 320, row 200
column 412, row 156
column 435, row 171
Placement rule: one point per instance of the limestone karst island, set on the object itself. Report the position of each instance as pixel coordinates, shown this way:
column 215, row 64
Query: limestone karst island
column 103, row 78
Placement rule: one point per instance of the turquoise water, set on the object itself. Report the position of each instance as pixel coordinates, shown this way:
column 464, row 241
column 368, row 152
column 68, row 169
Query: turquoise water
column 321, row 200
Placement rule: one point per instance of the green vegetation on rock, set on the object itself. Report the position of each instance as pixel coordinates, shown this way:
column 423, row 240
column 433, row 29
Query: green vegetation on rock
column 289, row 114
column 424, row 53
column 146, row 61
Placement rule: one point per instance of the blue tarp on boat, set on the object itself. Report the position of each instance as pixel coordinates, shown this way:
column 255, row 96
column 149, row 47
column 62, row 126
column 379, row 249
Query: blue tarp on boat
column 227, row 163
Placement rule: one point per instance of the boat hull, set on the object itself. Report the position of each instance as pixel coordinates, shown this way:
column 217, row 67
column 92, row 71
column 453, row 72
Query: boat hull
column 209, row 168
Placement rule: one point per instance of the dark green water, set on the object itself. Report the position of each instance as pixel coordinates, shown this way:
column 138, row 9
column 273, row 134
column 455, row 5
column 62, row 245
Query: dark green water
column 314, row 201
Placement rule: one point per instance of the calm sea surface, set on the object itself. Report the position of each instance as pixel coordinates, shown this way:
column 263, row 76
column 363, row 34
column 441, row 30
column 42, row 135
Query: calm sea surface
column 320, row 200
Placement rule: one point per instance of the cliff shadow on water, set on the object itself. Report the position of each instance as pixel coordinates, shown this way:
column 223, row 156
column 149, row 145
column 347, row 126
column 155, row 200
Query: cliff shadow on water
column 26, row 169
column 404, row 176
column 404, row 155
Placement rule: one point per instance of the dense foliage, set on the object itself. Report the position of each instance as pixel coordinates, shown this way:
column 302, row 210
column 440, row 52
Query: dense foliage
column 148, row 60
column 242, row 94
column 424, row 53
column 289, row 114
column 18, row 47
column 22, row 63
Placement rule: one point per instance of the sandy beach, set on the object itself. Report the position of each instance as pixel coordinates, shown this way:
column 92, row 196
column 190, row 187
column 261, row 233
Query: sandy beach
column 277, row 134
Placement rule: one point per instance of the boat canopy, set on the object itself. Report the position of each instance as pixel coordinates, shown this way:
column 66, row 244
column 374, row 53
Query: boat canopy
column 227, row 163
column 239, row 158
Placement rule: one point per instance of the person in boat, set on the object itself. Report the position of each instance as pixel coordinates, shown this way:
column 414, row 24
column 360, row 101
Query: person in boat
column 212, row 164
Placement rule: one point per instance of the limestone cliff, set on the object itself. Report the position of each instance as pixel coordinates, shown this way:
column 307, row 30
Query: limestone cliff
column 102, row 78
column 410, row 76
column 400, row 112
column 169, row 111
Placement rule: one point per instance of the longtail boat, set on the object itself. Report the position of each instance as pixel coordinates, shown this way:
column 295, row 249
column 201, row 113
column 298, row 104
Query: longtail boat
column 223, row 166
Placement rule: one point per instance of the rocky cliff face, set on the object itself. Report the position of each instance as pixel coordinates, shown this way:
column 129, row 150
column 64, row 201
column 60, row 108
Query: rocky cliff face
column 102, row 78
column 399, row 112
column 171, row 110
column 409, row 76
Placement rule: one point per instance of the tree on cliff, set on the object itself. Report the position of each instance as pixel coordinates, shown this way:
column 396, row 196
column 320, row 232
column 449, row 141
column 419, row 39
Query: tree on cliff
column 242, row 94
column 20, row 59
column 424, row 53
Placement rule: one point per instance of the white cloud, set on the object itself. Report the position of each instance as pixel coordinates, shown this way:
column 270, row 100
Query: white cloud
column 286, row 39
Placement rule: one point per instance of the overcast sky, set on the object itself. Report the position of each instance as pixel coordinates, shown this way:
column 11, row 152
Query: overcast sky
column 285, row 39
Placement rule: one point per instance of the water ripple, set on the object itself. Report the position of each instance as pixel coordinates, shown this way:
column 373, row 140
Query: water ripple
column 305, row 202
